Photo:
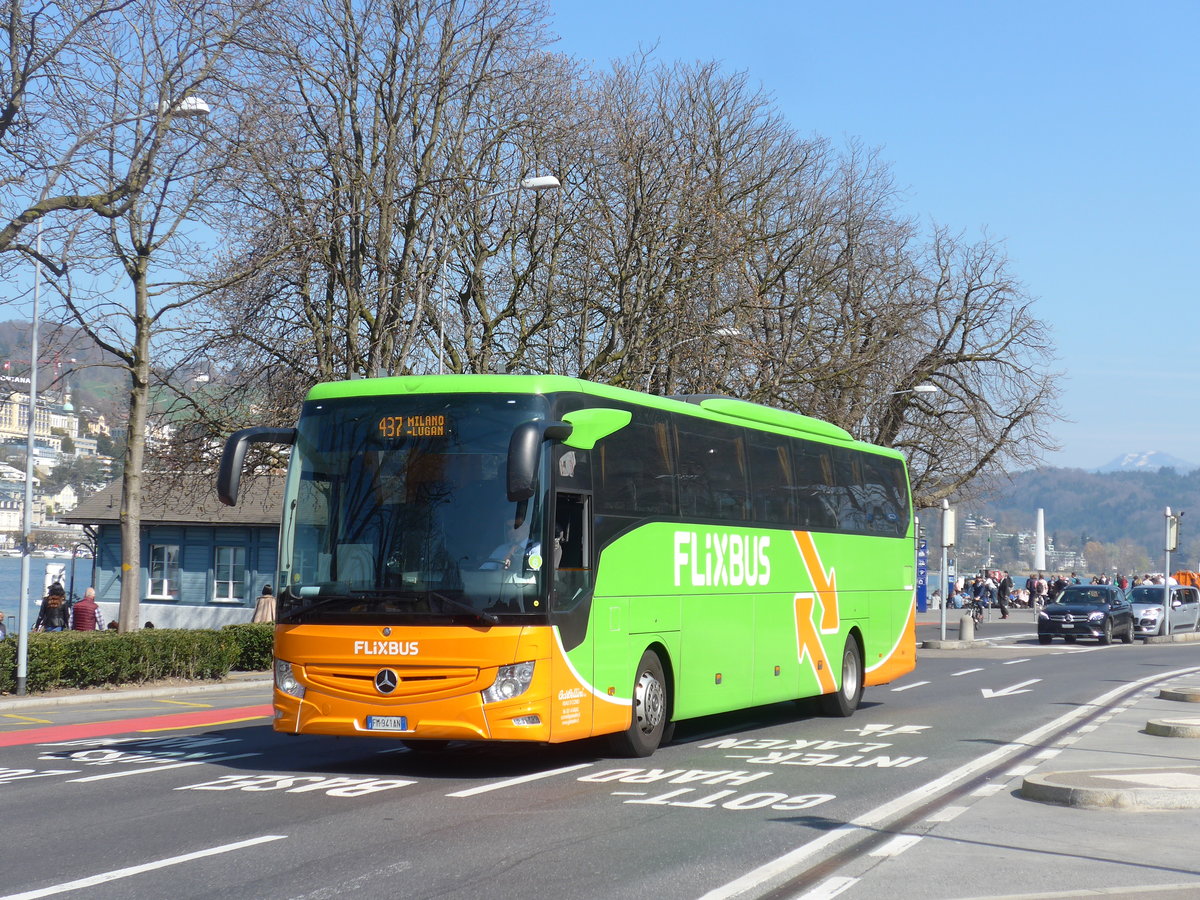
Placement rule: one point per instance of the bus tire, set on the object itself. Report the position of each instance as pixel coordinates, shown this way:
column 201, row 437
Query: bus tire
column 648, row 726
column 844, row 700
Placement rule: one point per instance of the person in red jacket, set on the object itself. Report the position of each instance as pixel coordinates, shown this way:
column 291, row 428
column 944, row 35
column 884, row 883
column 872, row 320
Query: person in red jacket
column 86, row 614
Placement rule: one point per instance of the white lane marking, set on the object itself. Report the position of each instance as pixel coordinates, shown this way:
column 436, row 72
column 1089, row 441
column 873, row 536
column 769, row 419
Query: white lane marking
column 1048, row 753
column 909, row 686
column 829, row 888
column 781, row 865
column 483, row 789
column 1019, row 771
column 947, row 814
column 1013, row 662
column 115, row 874
column 1019, row 688
column 896, row 845
column 988, row 790
column 334, row 891
column 965, row 672
column 182, row 765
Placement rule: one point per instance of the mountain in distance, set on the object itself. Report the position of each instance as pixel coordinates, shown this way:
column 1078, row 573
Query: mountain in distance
column 1147, row 461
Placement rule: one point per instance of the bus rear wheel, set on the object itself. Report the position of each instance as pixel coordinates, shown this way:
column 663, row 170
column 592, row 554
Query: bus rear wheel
column 649, row 726
column 844, row 700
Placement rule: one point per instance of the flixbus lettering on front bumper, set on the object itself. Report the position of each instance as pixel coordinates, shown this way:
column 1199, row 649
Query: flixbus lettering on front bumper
column 385, row 648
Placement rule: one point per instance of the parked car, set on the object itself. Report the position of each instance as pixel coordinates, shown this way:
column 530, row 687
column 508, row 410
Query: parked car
column 1147, row 603
column 1087, row 610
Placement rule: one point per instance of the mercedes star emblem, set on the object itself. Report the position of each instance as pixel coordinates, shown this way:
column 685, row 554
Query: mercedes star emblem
column 386, row 681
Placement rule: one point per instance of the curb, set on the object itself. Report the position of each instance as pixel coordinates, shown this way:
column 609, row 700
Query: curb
column 85, row 697
column 1181, row 694
column 1185, row 638
column 950, row 645
column 1178, row 728
column 1101, row 788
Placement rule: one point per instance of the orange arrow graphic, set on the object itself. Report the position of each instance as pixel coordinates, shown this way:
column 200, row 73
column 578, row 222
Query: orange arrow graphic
column 825, row 584
column 825, row 592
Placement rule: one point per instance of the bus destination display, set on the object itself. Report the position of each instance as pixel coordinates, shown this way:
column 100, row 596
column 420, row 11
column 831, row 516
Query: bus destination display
column 412, row 426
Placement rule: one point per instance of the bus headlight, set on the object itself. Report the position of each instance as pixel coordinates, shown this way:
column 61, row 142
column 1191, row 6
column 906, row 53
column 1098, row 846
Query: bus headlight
column 511, row 681
column 286, row 681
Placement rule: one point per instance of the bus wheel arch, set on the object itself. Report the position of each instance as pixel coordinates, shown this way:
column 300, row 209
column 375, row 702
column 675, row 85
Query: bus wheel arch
column 844, row 701
column 650, row 718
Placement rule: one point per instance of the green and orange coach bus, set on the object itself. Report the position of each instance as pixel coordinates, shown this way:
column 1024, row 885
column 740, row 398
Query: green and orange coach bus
column 542, row 558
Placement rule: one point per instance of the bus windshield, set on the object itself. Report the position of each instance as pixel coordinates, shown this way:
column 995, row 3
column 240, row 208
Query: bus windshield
column 396, row 509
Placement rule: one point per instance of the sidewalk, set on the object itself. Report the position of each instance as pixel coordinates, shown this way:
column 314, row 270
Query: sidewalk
column 1104, row 812
column 233, row 682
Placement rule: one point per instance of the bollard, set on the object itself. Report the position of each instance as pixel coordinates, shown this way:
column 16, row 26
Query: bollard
column 966, row 628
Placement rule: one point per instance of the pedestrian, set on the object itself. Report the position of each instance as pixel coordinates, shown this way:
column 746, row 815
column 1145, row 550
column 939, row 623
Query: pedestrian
column 1003, row 591
column 264, row 606
column 86, row 615
column 55, row 614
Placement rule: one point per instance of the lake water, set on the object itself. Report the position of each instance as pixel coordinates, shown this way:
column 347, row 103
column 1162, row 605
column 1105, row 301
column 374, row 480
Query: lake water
column 10, row 583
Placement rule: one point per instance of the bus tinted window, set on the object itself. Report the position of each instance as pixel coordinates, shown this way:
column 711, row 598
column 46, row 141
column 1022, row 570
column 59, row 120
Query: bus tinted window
column 887, row 493
column 634, row 471
column 816, row 492
column 774, row 496
column 712, row 471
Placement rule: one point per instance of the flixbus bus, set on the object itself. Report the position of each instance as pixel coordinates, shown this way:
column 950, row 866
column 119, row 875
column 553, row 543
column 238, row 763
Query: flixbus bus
column 540, row 558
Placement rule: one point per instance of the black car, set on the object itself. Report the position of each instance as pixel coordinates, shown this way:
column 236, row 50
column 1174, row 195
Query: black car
column 1087, row 610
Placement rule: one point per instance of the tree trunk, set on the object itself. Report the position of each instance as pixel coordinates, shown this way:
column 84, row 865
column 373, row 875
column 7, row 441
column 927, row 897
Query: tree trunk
column 135, row 448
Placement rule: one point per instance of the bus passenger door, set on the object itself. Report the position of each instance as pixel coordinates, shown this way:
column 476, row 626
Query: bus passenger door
column 571, row 586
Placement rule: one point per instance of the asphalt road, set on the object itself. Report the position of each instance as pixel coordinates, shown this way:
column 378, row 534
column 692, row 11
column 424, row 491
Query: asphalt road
column 164, row 799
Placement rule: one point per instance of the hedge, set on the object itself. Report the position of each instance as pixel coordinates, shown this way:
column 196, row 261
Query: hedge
column 79, row 659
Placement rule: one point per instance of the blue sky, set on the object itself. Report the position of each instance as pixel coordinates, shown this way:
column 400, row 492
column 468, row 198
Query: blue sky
column 1068, row 130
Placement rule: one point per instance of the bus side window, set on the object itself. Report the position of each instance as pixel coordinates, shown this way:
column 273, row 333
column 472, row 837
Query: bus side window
column 571, row 551
column 774, row 494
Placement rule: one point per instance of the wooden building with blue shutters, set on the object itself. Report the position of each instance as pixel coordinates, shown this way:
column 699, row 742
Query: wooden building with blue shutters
column 203, row 564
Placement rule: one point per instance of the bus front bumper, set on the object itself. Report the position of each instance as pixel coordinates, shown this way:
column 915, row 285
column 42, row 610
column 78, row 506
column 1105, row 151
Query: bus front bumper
column 461, row 718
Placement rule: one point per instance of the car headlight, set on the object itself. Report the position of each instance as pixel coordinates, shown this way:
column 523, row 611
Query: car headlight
column 511, row 681
column 1153, row 612
column 1096, row 617
column 285, row 679
column 1042, row 614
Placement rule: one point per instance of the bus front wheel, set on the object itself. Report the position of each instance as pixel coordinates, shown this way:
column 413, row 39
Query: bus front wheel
column 844, row 700
column 649, row 726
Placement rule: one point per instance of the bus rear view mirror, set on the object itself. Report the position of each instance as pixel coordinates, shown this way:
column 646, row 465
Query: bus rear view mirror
column 229, row 476
column 523, row 451
column 590, row 425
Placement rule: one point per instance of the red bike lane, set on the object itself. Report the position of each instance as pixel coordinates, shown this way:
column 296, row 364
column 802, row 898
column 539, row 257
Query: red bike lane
column 140, row 725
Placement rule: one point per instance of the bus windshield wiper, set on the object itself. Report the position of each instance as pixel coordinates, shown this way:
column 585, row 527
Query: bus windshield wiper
column 488, row 617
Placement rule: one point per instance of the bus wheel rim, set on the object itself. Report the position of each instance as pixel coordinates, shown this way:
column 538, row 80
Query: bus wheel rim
column 651, row 702
column 850, row 675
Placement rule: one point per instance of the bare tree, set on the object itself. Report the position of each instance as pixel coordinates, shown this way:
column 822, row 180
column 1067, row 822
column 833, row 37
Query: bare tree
column 699, row 244
column 63, row 105
column 388, row 122
column 161, row 48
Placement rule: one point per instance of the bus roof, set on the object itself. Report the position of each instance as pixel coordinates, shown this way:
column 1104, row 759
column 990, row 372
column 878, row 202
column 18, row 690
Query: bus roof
column 711, row 407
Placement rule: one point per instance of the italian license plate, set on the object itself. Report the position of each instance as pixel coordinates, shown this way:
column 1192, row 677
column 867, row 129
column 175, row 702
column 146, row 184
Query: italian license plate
column 387, row 723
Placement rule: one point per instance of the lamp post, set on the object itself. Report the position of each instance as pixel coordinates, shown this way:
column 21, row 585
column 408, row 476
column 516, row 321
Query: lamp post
column 535, row 183
column 725, row 331
column 27, row 518
column 947, row 543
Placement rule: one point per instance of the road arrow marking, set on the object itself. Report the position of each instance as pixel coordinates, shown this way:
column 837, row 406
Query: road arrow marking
column 1021, row 688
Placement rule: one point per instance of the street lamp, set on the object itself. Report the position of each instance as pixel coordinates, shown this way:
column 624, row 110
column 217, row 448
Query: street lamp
column 536, row 184
column 187, row 108
column 924, row 388
column 725, row 331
